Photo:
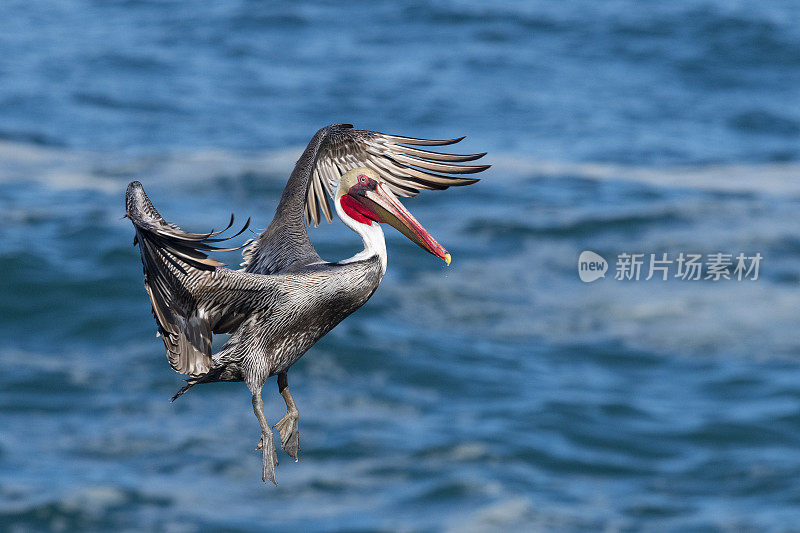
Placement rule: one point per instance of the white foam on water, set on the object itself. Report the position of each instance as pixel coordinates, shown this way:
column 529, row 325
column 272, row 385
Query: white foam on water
column 694, row 318
column 768, row 178
column 104, row 171
column 94, row 500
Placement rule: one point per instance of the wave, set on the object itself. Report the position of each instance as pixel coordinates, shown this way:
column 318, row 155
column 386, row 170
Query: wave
column 62, row 168
column 769, row 178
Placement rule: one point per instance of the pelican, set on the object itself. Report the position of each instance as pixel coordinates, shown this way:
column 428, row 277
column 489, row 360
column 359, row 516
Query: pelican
column 285, row 298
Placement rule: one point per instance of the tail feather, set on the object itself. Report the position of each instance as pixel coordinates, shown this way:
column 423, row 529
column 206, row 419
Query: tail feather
column 189, row 384
column 210, row 376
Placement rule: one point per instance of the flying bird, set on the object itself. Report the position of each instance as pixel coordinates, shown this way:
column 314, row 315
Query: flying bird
column 285, row 298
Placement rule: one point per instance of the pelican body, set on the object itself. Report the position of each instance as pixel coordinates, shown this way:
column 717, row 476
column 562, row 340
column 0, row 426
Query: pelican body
column 286, row 297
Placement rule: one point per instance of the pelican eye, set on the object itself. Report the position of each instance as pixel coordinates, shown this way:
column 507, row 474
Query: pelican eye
column 362, row 178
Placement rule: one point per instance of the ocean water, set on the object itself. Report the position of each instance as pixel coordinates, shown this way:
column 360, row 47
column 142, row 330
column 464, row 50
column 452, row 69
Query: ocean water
column 500, row 393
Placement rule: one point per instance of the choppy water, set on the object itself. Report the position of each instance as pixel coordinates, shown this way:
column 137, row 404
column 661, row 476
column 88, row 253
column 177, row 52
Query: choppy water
column 499, row 393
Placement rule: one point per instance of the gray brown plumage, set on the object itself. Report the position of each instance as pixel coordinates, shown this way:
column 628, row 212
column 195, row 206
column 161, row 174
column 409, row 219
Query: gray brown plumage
column 286, row 297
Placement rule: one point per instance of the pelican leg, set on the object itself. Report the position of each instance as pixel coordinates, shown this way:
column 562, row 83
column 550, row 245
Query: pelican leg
column 288, row 426
column 269, row 457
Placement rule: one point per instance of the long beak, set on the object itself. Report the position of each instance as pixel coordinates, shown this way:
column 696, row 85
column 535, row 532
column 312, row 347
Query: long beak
column 385, row 204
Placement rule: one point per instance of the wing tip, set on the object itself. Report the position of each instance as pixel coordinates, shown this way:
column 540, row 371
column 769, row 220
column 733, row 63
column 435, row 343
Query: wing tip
column 133, row 193
column 466, row 181
column 400, row 139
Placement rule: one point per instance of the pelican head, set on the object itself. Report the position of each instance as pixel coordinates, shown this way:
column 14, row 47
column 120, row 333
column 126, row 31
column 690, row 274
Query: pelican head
column 365, row 198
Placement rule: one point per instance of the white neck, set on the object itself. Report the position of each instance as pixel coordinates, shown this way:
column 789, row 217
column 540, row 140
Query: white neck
column 371, row 234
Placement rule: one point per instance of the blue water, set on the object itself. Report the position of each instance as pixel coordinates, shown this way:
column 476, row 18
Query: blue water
column 500, row 393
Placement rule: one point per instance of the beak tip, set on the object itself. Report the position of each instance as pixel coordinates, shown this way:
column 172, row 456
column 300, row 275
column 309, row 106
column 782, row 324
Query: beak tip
column 447, row 259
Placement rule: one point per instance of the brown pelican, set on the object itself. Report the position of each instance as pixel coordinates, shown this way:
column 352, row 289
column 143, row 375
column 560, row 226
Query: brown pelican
column 286, row 297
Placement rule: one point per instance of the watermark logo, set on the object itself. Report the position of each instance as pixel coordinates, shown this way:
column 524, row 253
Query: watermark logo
column 684, row 266
column 591, row 266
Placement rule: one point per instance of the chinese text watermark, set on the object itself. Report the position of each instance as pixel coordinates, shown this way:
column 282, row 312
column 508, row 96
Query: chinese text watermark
column 663, row 266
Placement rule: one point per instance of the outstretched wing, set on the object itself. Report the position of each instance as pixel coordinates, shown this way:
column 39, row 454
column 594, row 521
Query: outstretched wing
column 406, row 169
column 333, row 151
column 177, row 273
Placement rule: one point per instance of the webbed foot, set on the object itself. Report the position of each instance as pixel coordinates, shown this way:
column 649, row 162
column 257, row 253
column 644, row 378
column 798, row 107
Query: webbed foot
column 289, row 430
column 269, row 458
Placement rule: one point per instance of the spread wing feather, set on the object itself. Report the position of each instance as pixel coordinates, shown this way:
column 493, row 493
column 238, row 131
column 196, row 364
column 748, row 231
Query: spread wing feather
column 176, row 268
column 405, row 169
